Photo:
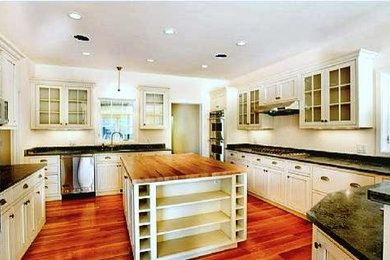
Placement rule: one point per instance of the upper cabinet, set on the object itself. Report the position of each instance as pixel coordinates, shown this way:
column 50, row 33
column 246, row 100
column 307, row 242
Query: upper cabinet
column 154, row 107
column 61, row 105
column 339, row 95
column 218, row 99
column 279, row 91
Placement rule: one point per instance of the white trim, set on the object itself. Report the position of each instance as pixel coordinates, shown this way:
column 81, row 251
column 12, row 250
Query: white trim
column 9, row 47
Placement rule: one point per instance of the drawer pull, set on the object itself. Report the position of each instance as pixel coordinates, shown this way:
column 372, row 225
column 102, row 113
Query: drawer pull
column 12, row 216
column 38, row 192
column 247, row 166
column 231, row 154
column 43, row 160
column 258, row 159
column 298, row 167
column 45, row 169
column 355, row 185
column 126, row 177
column 46, row 178
column 107, row 158
column 277, row 98
column 324, row 178
column 46, row 187
column 3, row 202
column 242, row 156
column 231, row 162
column 274, row 163
column 25, row 186
column 317, row 245
column 40, row 176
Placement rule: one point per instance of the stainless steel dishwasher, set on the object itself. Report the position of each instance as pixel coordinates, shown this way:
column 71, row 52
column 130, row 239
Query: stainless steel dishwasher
column 77, row 175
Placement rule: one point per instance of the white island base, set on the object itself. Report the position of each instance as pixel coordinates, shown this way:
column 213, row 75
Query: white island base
column 182, row 219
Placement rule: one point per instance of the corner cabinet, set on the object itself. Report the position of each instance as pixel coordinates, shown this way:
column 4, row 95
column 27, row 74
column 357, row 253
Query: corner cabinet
column 61, row 105
column 249, row 117
column 154, row 107
column 339, row 95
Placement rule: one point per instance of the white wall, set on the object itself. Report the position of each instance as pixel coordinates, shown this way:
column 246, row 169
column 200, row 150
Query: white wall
column 286, row 130
column 182, row 90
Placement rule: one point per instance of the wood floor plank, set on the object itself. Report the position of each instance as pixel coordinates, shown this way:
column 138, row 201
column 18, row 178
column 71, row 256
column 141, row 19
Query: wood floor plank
column 95, row 228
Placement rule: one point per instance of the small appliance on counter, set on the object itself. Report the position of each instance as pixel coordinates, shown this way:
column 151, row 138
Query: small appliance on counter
column 77, row 175
column 217, row 149
column 3, row 112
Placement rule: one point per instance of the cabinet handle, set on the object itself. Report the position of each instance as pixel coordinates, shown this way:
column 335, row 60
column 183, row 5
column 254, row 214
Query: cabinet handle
column 46, row 178
column 242, row 156
column 247, row 166
column 298, row 167
column 274, row 163
column 231, row 162
column 107, row 157
column 46, row 187
column 40, row 176
column 288, row 176
column 231, row 154
column 258, row 159
column 324, row 178
column 60, row 123
column 66, row 123
column 25, row 186
column 126, row 177
column 354, row 185
column 38, row 192
column 43, row 160
column 317, row 245
column 45, row 169
column 3, row 202
column 12, row 216
column 277, row 97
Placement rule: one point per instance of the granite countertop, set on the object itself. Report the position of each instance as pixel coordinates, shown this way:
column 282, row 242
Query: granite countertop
column 92, row 149
column 380, row 194
column 146, row 169
column 370, row 164
column 12, row 174
column 352, row 220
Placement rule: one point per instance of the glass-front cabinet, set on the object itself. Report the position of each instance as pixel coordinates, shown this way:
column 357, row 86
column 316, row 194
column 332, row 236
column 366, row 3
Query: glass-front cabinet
column 242, row 109
column 154, row 108
column 339, row 95
column 60, row 105
column 254, row 118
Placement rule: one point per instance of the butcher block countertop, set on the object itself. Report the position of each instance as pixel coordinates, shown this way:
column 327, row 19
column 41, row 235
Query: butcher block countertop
column 156, row 168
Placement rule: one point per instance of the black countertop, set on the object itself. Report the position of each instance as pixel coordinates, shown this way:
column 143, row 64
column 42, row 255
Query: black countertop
column 371, row 164
column 380, row 194
column 12, row 174
column 352, row 220
column 92, row 149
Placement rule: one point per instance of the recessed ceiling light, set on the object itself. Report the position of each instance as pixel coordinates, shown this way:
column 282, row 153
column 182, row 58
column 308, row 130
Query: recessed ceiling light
column 81, row 38
column 169, row 31
column 241, row 43
column 205, row 66
column 150, row 60
column 85, row 53
column 221, row 56
column 74, row 15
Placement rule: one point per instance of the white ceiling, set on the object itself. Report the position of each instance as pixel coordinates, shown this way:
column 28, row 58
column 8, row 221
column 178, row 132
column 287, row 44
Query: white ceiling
column 127, row 33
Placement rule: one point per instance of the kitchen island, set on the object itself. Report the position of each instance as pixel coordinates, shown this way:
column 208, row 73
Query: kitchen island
column 183, row 206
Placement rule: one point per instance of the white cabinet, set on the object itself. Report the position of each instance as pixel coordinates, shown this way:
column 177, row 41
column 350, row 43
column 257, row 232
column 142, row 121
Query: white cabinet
column 249, row 116
column 275, row 185
column 108, row 178
column 39, row 206
column 339, row 95
column 298, row 192
column 154, row 110
column 261, row 181
column 325, row 248
column 29, row 216
column 61, row 105
column 218, row 99
column 278, row 91
column 7, row 235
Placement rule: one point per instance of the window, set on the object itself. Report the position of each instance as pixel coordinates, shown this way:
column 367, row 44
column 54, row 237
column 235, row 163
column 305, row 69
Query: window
column 117, row 115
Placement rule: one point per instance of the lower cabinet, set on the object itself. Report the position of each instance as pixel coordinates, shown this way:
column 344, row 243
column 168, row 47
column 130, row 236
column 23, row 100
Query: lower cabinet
column 261, row 181
column 23, row 217
column 275, row 185
column 108, row 178
column 325, row 248
column 298, row 192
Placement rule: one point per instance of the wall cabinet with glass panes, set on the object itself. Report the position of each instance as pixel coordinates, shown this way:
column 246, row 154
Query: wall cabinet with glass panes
column 249, row 116
column 339, row 95
column 154, row 107
column 61, row 105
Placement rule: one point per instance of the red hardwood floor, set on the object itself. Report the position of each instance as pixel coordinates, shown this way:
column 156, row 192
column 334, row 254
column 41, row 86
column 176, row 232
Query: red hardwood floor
column 95, row 228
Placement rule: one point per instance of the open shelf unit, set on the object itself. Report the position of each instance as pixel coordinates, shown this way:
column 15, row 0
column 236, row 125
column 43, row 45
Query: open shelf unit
column 240, row 207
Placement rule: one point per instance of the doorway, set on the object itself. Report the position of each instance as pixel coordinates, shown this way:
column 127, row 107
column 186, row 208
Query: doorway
column 186, row 128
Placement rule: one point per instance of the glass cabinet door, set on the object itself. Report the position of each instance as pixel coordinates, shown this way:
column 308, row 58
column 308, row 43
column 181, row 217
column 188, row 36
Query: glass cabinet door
column 313, row 101
column 154, row 109
column 77, row 107
column 243, row 108
column 254, row 103
column 340, row 82
column 49, row 105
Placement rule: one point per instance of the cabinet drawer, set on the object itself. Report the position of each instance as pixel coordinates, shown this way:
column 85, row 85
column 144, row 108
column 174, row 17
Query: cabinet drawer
column 330, row 180
column 52, row 185
column 37, row 177
column 6, row 199
column 45, row 159
column 24, row 186
column 51, row 169
column 273, row 162
column 103, row 158
column 231, row 154
column 299, row 168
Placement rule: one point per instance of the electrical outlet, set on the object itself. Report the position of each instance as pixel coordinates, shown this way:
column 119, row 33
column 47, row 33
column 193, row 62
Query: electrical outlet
column 361, row 148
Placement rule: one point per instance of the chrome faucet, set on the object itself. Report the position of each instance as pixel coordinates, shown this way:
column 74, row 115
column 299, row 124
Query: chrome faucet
column 112, row 137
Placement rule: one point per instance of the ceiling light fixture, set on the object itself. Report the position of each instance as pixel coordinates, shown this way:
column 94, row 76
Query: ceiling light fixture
column 221, row 56
column 150, row 60
column 169, row 31
column 241, row 43
column 82, row 38
column 75, row 15
column 119, row 77
column 85, row 53
column 205, row 66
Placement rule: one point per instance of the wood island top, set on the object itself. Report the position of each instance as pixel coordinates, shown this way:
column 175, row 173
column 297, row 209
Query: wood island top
column 156, row 168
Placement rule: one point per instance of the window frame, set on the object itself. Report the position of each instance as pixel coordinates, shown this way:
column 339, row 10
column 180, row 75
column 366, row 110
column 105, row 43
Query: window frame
column 134, row 126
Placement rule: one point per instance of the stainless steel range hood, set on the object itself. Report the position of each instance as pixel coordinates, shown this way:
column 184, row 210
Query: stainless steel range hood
column 280, row 108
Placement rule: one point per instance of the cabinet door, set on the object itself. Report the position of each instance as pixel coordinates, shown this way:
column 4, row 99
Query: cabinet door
column 261, row 181
column 10, row 93
column 313, row 102
column 251, row 179
column 108, row 177
column 29, row 217
column 286, row 90
column 326, row 249
column 243, row 109
column 78, row 107
column 49, row 106
column 19, row 229
column 270, row 93
column 39, row 205
column 275, row 185
column 154, row 109
column 341, row 87
column 298, row 192
column 254, row 102
column 7, row 235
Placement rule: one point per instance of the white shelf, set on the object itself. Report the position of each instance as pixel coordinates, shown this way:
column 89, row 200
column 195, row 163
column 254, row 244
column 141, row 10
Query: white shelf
column 173, row 201
column 196, row 221
column 175, row 248
column 144, row 232
column 144, row 245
